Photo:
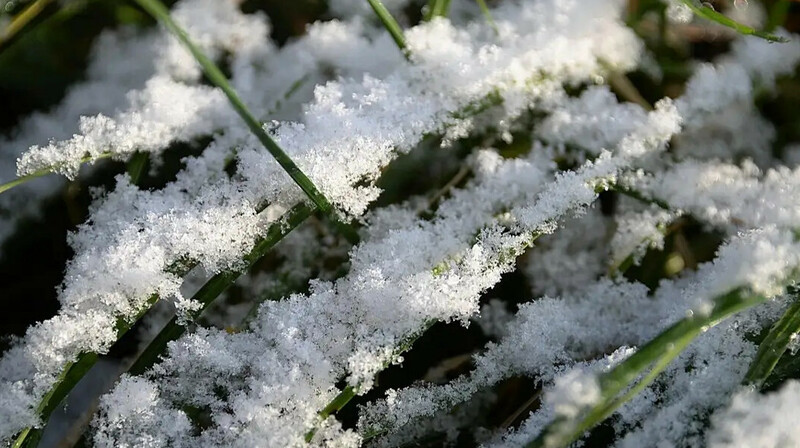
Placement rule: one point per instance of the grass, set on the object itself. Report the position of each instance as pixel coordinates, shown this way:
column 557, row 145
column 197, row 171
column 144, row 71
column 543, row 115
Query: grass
column 43, row 172
column 22, row 20
column 73, row 372
column 437, row 8
column 707, row 12
column 215, row 75
column 773, row 347
column 389, row 22
column 219, row 283
column 618, row 385
column 658, row 353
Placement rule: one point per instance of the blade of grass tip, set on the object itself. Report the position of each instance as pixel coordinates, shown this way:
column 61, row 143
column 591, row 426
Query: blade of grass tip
column 659, row 352
column 709, row 13
column 20, row 21
column 215, row 75
column 390, row 24
column 775, row 344
column 136, row 166
column 218, row 283
column 21, row 180
column 437, row 8
column 487, row 14
column 45, row 171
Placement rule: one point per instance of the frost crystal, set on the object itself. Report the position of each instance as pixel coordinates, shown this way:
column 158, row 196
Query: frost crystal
column 758, row 420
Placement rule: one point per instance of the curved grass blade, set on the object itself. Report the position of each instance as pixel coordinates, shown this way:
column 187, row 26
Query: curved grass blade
column 775, row 344
column 709, row 13
column 215, row 75
column 21, row 180
column 658, row 353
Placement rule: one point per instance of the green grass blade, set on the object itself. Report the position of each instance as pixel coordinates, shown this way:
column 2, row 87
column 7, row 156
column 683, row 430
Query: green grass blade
column 635, row 194
column 774, row 345
column 334, row 406
column 43, row 172
column 136, row 166
column 220, row 282
column 349, row 392
column 70, row 376
column 338, row 402
column 437, row 8
column 73, row 372
column 21, row 180
column 389, row 23
column 181, row 267
column 619, row 267
column 215, row 75
column 709, row 13
column 658, row 353
column 487, row 14
column 21, row 21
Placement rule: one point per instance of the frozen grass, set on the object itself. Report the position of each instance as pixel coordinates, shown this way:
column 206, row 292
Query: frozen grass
column 281, row 379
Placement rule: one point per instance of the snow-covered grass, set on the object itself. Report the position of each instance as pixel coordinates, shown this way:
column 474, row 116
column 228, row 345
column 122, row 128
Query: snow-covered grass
column 512, row 142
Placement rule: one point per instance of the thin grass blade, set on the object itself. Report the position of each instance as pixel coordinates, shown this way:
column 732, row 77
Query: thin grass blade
column 136, row 166
column 43, row 172
column 215, row 75
column 775, row 344
column 487, row 14
column 709, row 13
column 21, row 21
column 349, row 392
column 70, row 375
column 73, row 372
column 658, row 353
column 219, row 283
column 389, row 23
